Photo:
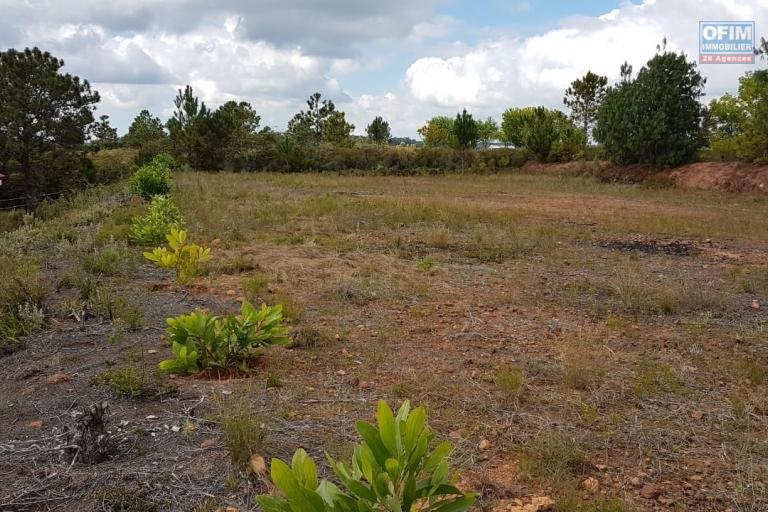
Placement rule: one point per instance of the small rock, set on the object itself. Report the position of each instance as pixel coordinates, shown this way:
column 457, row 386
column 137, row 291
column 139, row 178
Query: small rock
column 152, row 351
column 755, row 304
column 231, row 292
column 175, row 428
column 591, row 485
column 365, row 384
column 697, row 415
column 150, row 417
column 340, row 373
column 635, row 481
column 208, row 443
column 650, row 492
column 484, row 444
column 257, row 465
column 58, row 378
column 36, row 424
column 601, row 467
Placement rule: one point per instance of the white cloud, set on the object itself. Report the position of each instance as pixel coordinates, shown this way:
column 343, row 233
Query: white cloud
column 536, row 70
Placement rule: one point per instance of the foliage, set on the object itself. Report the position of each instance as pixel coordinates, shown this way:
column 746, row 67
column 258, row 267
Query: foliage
column 584, row 97
column 546, row 133
column 337, row 131
column 152, row 179
column 183, row 258
column 112, row 164
column 42, row 112
column 145, row 129
column 188, row 128
column 307, row 127
column 378, row 131
column 103, row 136
column 465, row 130
column 21, row 298
column 392, row 470
column 656, row 118
column 233, row 127
column 438, row 132
column 202, row 340
column 487, row 131
column 151, row 228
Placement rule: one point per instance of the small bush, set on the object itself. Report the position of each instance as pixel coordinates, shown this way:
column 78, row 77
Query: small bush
column 553, row 455
column 132, row 382
column 309, row 337
column 152, row 228
column 386, row 466
column 655, row 377
column 152, row 179
column 254, row 285
column 243, row 432
column 510, row 382
column 21, row 299
column 583, row 366
column 110, row 260
column 183, row 258
column 201, row 340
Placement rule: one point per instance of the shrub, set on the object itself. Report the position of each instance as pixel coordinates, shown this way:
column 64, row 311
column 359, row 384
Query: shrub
column 183, row 258
column 110, row 260
column 202, row 340
column 392, row 469
column 152, row 179
column 21, row 297
column 134, row 383
column 152, row 228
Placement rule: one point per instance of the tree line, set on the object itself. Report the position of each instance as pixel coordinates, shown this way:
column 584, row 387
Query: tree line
column 654, row 116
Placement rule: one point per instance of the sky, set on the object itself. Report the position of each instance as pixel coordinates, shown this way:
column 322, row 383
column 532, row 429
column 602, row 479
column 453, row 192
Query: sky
column 405, row 60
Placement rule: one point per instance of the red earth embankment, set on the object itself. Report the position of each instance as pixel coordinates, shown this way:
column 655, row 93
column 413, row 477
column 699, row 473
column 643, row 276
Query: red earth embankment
column 726, row 176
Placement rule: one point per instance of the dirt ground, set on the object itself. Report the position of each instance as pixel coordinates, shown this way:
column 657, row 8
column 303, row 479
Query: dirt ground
column 603, row 345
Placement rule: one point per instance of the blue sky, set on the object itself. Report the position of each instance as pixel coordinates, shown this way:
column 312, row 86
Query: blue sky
column 401, row 59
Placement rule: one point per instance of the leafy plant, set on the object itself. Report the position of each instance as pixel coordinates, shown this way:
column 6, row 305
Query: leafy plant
column 392, row 470
column 152, row 228
column 152, row 179
column 184, row 258
column 202, row 340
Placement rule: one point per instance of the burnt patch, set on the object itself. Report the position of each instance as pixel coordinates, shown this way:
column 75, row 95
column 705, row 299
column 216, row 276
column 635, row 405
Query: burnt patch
column 668, row 247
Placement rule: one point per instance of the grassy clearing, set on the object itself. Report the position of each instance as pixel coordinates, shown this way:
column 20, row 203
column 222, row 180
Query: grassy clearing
column 537, row 313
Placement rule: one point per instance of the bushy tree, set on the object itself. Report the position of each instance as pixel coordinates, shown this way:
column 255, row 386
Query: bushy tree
column 465, row 130
column 41, row 110
column 145, row 129
column 584, row 97
column 725, row 116
column 378, row 131
column 655, row 118
column 337, row 131
column 548, row 134
column 438, row 132
column 306, row 127
column 103, row 135
column 487, row 131
column 189, row 129
column 232, row 128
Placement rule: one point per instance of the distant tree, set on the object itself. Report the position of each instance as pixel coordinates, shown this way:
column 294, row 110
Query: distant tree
column 337, row 131
column 41, row 110
column 378, row 131
column 487, row 131
column 189, row 129
column 465, row 130
column 655, row 118
column 144, row 129
column 103, row 136
column 438, row 132
column 233, row 126
column 306, row 127
column 725, row 116
column 513, row 124
column 584, row 97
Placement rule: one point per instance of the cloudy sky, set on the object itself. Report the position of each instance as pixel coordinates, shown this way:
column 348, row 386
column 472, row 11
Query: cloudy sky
column 403, row 59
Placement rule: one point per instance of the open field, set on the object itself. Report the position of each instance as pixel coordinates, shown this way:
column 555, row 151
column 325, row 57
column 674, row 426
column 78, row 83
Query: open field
column 600, row 344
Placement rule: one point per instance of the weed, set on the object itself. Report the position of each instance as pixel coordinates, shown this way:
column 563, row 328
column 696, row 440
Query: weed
column 751, row 371
column 254, row 285
column 274, row 380
column 572, row 500
column 552, row 455
column 21, row 297
column 427, row 263
column 126, row 499
column 510, row 383
column 652, row 377
column 293, row 311
column 402, row 389
column 630, row 288
column 243, row 430
column 134, row 383
column 309, row 337
column 110, row 260
column 583, row 365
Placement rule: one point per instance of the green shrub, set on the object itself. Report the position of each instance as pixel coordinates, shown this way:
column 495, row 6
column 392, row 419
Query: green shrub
column 152, row 179
column 152, row 228
column 110, row 260
column 112, row 164
column 133, row 383
column 202, row 340
column 183, row 258
column 21, row 298
column 392, row 469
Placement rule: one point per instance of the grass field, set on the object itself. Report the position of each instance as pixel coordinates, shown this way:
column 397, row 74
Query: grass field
column 600, row 344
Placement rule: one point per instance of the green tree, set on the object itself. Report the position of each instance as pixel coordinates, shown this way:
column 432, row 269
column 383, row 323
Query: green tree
column 753, row 94
column 584, row 97
column 655, row 118
column 189, row 129
column 337, row 131
column 487, row 131
column 103, row 135
column 233, row 126
column 145, row 129
column 306, row 127
column 438, row 132
column 378, row 131
column 725, row 116
column 513, row 123
column 548, row 134
column 41, row 110
column 465, row 130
